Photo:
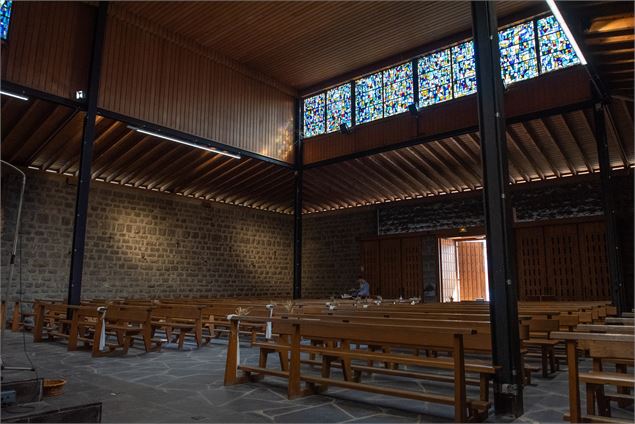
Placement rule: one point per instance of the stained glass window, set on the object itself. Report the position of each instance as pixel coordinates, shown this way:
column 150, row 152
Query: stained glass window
column 398, row 89
column 435, row 78
column 369, row 98
column 518, row 53
column 463, row 69
column 314, row 115
column 338, row 107
column 556, row 51
column 5, row 18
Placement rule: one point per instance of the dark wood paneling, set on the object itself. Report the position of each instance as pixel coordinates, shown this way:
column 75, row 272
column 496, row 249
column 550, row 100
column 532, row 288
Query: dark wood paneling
column 370, row 264
column 471, row 270
column 149, row 75
column 390, row 260
column 530, row 263
column 593, row 261
column 563, row 260
column 48, row 46
column 412, row 267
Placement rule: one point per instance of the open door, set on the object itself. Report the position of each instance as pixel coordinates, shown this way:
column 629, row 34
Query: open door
column 448, row 271
column 472, row 273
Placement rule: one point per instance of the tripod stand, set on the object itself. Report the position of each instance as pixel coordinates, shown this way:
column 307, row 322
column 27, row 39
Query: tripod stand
column 12, row 262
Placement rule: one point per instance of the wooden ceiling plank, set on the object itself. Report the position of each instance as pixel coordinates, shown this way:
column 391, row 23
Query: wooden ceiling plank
column 619, row 142
column 98, row 141
column 375, row 190
column 103, row 160
column 556, row 143
column 73, row 113
column 246, row 184
column 234, row 178
column 74, row 139
column 379, row 172
column 442, row 169
column 213, row 174
column 565, row 126
column 180, row 169
column 471, row 178
column 474, row 162
column 142, row 173
column 121, row 171
column 403, row 186
column 263, row 188
column 533, row 139
column 418, row 153
column 513, row 137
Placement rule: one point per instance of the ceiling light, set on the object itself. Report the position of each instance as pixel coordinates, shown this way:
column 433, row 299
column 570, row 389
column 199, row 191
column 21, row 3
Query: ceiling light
column 17, row 96
column 565, row 28
column 187, row 143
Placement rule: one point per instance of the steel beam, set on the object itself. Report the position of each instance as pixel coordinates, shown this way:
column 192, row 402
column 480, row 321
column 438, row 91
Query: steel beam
column 608, row 199
column 297, row 204
column 83, row 186
column 508, row 389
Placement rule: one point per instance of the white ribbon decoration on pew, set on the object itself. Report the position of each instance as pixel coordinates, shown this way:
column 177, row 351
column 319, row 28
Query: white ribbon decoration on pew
column 102, row 339
column 229, row 317
column 270, row 307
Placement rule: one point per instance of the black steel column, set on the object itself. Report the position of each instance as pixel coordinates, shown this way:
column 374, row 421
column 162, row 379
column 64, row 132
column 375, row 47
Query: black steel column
column 508, row 398
column 83, row 185
column 297, row 205
column 612, row 243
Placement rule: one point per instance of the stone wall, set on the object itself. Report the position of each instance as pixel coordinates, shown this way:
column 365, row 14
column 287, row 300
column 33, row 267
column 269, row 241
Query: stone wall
column 331, row 250
column 145, row 244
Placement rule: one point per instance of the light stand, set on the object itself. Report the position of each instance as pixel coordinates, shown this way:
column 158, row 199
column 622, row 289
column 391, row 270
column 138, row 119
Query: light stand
column 12, row 262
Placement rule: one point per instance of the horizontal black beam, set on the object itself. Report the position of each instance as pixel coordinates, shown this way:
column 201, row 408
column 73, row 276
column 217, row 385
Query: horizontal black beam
column 31, row 92
column 189, row 137
column 454, row 133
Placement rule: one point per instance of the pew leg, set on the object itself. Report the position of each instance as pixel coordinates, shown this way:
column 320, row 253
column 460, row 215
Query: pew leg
column 284, row 360
column 590, row 398
column 181, row 339
column 552, row 360
column 544, row 356
column 484, row 387
column 623, row 403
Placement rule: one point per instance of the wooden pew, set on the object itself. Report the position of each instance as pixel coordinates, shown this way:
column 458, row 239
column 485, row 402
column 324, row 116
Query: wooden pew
column 51, row 320
column 187, row 319
column 600, row 346
column 125, row 323
column 342, row 336
column 22, row 311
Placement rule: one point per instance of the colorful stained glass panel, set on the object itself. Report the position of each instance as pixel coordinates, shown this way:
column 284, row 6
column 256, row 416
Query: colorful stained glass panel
column 398, row 89
column 314, row 115
column 338, row 107
column 463, row 69
column 556, row 51
column 518, row 53
column 435, row 78
column 5, row 18
column 369, row 98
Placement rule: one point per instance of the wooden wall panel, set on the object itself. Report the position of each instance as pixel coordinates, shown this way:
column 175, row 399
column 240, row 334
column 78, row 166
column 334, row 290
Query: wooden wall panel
column 449, row 271
column 471, row 260
column 594, row 269
column 563, row 260
column 370, row 264
column 390, row 263
column 412, row 267
column 154, row 76
column 48, row 46
column 530, row 263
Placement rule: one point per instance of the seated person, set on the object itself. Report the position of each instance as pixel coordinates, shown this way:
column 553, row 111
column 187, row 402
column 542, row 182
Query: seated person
column 364, row 287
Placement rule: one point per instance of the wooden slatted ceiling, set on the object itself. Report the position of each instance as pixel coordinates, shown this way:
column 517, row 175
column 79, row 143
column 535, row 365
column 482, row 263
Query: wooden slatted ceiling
column 609, row 41
column 303, row 43
column 45, row 136
column 42, row 135
column 552, row 147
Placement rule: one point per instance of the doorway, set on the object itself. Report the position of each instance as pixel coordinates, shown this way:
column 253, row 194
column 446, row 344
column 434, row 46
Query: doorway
column 463, row 269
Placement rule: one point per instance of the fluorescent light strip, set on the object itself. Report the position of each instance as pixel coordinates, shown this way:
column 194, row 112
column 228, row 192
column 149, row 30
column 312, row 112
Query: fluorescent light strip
column 17, row 96
column 187, row 143
column 565, row 28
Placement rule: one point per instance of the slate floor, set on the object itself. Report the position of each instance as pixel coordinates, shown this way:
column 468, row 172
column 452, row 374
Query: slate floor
column 187, row 386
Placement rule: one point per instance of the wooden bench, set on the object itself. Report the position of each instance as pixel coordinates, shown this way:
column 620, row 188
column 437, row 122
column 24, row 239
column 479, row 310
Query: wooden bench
column 125, row 323
column 599, row 346
column 539, row 331
column 21, row 312
column 341, row 337
column 184, row 319
column 51, row 320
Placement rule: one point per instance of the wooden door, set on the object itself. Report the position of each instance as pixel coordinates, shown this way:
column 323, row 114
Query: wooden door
column 412, row 267
column 390, row 266
column 449, row 274
column 530, row 264
column 370, row 264
column 563, row 260
column 471, row 259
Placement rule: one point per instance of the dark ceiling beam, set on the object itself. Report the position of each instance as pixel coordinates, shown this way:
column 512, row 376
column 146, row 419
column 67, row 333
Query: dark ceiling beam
column 556, row 143
column 456, row 148
column 210, row 175
column 233, row 180
column 122, row 173
column 72, row 140
column 104, row 159
column 440, row 168
column 103, row 135
column 374, row 189
column 152, row 171
column 474, row 140
column 471, row 179
column 180, row 169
